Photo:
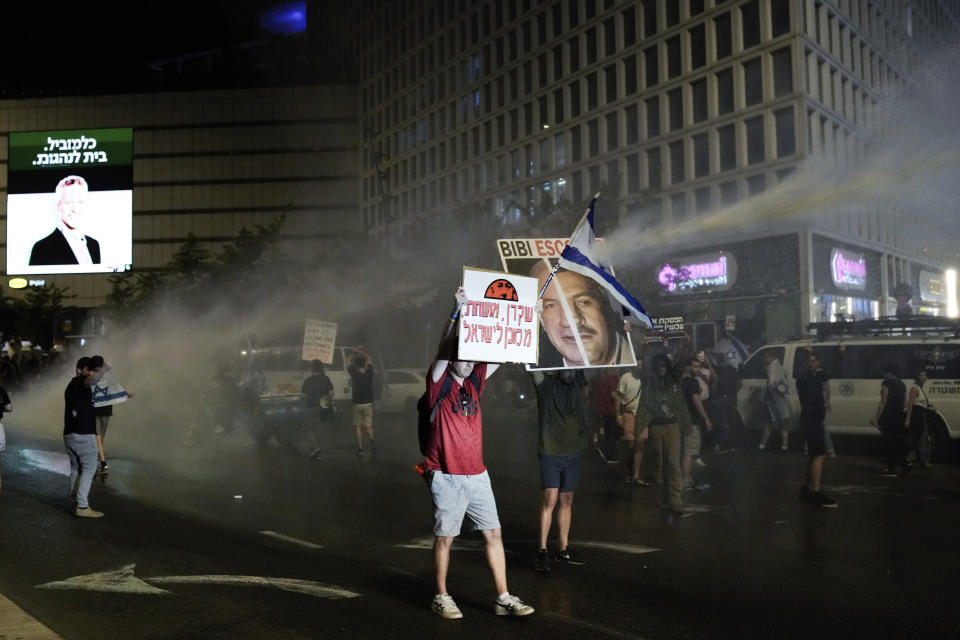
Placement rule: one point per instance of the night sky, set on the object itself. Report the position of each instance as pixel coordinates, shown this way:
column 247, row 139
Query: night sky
column 60, row 48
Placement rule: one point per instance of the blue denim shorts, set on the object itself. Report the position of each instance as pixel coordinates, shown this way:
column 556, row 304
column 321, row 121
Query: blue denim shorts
column 456, row 496
column 560, row 472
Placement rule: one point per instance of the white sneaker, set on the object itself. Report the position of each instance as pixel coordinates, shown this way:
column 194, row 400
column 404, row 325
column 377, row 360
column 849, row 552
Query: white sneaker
column 699, row 462
column 87, row 512
column 444, row 606
column 512, row 606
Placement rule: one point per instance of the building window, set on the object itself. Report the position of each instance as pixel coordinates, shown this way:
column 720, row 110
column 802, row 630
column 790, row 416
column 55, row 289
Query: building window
column 782, row 72
column 559, row 150
column 576, row 150
column 724, row 37
column 724, row 91
column 701, row 199
column 698, row 93
column 780, row 17
column 750, row 21
column 630, row 75
column 673, row 56
column 698, row 47
column 653, row 168
column 633, row 173
column 653, row 116
column 678, row 205
column 593, row 91
column 753, row 82
column 632, row 124
column 701, row 155
column 649, row 18
column 629, row 27
column 728, row 193
column 756, row 184
column 677, row 163
column 755, row 149
column 651, row 66
column 609, row 37
column 675, row 100
column 545, row 154
column 727, row 142
column 613, row 131
column 592, row 47
column 786, row 136
column 593, row 137
column 574, row 99
column 673, row 13
column 573, row 49
column 610, row 80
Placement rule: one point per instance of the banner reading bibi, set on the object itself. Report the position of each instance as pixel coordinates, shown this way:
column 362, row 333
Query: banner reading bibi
column 70, row 201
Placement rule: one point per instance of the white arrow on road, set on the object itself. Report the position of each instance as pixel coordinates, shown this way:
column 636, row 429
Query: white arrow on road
column 123, row 580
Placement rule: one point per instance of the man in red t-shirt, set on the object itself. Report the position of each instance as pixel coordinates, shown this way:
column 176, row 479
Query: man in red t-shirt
column 458, row 480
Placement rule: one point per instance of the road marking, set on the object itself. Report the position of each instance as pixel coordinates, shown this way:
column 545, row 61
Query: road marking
column 120, row 581
column 295, row 585
column 426, row 542
column 123, row 580
column 47, row 460
column 478, row 545
column 616, row 546
column 291, row 539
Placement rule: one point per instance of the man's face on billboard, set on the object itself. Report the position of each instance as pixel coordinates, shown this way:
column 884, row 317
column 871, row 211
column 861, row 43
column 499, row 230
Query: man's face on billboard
column 70, row 205
column 588, row 319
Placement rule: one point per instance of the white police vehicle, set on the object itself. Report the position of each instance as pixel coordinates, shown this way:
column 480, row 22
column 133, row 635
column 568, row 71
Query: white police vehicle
column 855, row 354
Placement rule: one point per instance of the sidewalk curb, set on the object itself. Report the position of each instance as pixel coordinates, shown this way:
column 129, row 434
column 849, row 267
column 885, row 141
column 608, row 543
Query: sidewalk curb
column 17, row 623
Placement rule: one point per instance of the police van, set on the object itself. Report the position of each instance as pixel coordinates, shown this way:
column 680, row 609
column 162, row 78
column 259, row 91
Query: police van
column 854, row 354
column 284, row 370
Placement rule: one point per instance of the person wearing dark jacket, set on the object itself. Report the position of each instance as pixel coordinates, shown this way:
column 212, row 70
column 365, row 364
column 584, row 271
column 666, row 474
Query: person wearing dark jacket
column 889, row 419
column 814, row 394
column 80, row 434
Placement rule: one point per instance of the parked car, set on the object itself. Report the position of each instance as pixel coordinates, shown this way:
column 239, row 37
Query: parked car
column 401, row 390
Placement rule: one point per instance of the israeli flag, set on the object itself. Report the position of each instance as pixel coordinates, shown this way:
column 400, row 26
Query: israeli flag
column 107, row 391
column 582, row 255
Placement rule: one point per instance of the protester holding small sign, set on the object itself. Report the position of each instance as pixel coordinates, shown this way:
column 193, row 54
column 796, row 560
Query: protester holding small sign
column 454, row 471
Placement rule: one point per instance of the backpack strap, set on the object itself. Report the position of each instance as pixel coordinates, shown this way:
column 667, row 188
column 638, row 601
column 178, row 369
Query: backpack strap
column 444, row 392
column 474, row 377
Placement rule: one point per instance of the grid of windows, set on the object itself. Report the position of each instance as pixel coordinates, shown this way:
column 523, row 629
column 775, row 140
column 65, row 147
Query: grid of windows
column 607, row 84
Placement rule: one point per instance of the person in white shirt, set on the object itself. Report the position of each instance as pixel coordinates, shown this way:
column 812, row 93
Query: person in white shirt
column 67, row 244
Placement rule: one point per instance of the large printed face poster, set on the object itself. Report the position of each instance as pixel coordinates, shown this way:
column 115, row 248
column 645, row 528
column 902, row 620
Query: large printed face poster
column 70, row 201
column 498, row 323
column 319, row 338
column 581, row 324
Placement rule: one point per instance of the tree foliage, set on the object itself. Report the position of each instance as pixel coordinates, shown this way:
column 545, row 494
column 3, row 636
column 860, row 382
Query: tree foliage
column 195, row 274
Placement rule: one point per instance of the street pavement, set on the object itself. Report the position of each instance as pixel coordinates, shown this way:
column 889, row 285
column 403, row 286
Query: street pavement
column 227, row 539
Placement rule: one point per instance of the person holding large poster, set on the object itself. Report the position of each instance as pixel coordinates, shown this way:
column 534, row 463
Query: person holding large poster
column 67, row 244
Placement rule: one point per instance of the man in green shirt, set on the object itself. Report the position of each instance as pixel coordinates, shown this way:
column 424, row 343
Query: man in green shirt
column 562, row 440
column 663, row 409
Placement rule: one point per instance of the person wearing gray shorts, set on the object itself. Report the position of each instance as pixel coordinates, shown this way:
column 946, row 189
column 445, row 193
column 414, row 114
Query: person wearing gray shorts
column 458, row 480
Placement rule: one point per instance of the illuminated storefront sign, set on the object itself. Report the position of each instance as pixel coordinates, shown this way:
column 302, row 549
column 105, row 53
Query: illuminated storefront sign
column 848, row 269
column 710, row 272
column 932, row 287
column 17, row 283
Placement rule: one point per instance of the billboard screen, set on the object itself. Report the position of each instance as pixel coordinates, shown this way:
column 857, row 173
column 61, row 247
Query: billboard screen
column 70, row 201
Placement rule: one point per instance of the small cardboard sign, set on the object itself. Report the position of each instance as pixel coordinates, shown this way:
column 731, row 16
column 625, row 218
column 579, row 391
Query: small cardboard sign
column 498, row 323
column 319, row 338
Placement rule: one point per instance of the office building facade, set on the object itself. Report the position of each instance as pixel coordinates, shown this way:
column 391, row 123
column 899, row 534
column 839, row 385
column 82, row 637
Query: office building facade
column 496, row 109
